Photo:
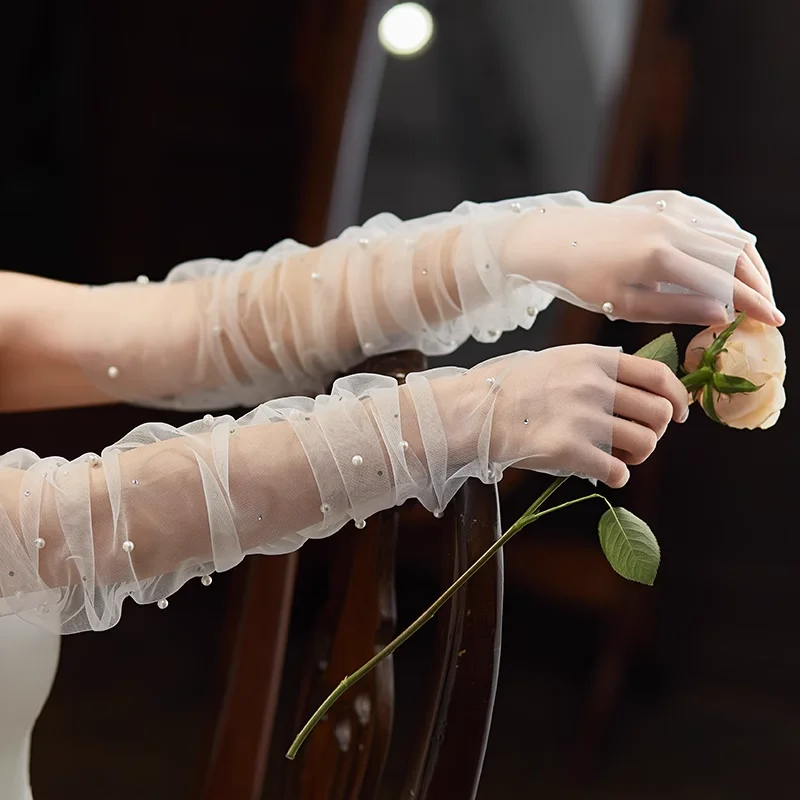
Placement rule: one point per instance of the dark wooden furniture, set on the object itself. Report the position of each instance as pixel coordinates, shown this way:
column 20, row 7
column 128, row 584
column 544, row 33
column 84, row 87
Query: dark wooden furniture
column 322, row 58
column 450, row 748
column 345, row 755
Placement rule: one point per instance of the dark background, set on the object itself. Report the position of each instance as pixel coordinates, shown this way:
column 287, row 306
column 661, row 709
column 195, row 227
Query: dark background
column 138, row 135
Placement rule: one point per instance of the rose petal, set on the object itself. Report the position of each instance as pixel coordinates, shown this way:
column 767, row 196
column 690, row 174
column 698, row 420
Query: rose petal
column 756, row 352
column 701, row 342
column 763, row 345
column 754, row 410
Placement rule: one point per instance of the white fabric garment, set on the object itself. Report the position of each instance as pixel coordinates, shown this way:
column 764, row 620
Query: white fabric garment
column 288, row 320
column 166, row 505
column 28, row 661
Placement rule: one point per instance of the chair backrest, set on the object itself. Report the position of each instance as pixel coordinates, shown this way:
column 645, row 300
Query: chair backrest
column 322, row 63
column 345, row 755
column 450, row 748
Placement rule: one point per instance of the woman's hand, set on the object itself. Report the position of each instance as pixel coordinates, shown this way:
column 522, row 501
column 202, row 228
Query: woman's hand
column 581, row 409
column 654, row 257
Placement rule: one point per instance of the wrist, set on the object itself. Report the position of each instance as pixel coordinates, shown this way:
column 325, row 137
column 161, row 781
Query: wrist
column 543, row 244
column 438, row 426
column 461, row 402
column 521, row 249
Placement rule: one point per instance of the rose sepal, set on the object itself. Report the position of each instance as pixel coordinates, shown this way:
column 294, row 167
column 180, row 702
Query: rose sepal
column 709, row 358
column 731, row 384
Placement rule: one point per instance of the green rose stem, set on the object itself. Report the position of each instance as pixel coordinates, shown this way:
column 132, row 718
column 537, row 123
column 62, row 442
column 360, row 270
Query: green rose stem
column 627, row 541
column 427, row 615
column 531, row 515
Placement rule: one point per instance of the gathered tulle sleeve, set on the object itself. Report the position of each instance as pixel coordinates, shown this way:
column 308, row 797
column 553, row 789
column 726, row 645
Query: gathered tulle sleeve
column 288, row 320
column 167, row 505
column 218, row 334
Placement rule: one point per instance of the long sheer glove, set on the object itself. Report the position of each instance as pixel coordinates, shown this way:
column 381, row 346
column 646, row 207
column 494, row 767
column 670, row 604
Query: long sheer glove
column 218, row 333
column 653, row 257
column 658, row 256
column 166, row 505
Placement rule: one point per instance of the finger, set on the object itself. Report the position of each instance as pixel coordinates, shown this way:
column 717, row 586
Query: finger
column 755, row 305
column 656, row 378
column 694, row 274
column 618, row 474
column 605, row 467
column 747, row 273
column 644, row 408
column 637, row 442
column 691, row 273
column 640, row 305
column 755, row 257
column 588, row 462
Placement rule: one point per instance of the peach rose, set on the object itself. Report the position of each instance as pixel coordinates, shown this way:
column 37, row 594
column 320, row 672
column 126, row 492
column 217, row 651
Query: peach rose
column 756, row 352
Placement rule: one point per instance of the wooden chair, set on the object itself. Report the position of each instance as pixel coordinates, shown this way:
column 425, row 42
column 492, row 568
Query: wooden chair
column 345, row 755
column 261, row 608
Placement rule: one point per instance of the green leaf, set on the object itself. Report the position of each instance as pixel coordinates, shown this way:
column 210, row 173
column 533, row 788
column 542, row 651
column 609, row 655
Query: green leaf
column 710, row 356
column 663, row 349
column 629, row 545
column 708, row 405
column 730, row 384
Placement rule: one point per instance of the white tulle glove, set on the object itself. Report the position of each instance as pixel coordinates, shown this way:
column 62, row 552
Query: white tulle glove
column 218, row 334
column 166, row 505
column 652, row 257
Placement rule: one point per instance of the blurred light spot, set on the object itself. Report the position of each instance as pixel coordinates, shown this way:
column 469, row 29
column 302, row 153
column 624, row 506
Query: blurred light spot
column 406, row 29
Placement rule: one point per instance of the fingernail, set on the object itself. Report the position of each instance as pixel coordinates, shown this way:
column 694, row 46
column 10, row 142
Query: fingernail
column 685, row 415
column 778, row 316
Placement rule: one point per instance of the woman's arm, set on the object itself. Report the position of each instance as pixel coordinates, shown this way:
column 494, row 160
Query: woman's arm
column 60, row 341
column 37, row 370
column 218, row 334
column 166, row 505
